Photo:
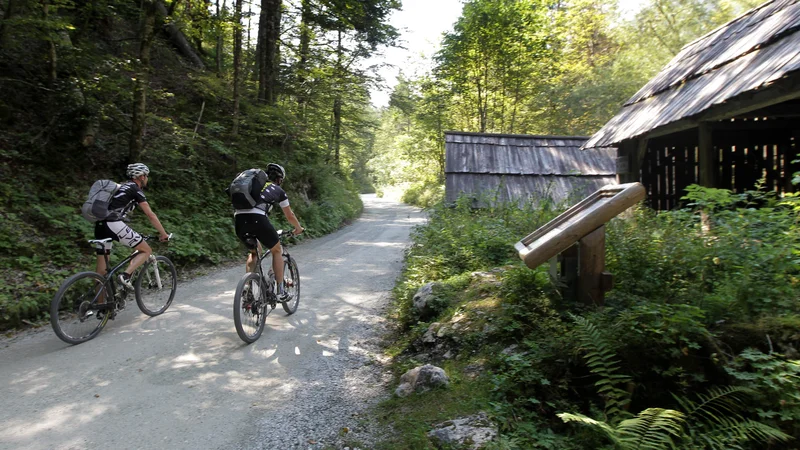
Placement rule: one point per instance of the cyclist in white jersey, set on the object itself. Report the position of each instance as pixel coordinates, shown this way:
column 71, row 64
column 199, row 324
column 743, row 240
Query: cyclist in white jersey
column 130, row 194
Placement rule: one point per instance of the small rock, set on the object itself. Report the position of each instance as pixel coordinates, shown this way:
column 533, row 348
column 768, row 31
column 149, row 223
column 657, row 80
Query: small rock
column 510, row 350
column 469, row 432
column 421, row 379
column 423, row 298
column 430, row 336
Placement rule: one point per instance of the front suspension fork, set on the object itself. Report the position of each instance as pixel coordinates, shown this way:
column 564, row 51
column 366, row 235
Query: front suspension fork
column 156, row 273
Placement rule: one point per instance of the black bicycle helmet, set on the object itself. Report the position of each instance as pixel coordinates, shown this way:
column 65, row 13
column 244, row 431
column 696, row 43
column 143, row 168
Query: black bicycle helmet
column 275, row 171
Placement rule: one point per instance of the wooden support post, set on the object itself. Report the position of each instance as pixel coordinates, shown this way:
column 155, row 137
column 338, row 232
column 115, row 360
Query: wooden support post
column 623, row 161
column 592, row 261
column 638, row 159
column 569, row 272
column 707, row 158
column 629, row 160
column 707, row 162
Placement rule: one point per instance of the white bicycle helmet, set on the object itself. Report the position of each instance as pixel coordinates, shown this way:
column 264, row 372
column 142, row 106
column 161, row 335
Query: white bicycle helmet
column 136, row 170
column 277, row 169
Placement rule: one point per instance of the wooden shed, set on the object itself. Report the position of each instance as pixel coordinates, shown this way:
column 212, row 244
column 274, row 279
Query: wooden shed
column 723, row 113
column 523, row 168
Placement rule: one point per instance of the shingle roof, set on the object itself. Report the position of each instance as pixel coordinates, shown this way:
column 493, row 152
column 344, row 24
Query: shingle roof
column 504, row 154
column 748, row 53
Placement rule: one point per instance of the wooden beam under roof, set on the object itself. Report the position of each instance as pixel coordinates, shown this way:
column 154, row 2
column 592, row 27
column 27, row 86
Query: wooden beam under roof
column 785, row 90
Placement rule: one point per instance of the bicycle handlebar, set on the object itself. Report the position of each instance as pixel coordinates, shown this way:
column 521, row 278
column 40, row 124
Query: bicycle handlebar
column 287, row 233
column 148, row 237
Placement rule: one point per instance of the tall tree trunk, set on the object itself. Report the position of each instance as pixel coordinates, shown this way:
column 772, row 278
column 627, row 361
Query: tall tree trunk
column 146, row 32
column 260, row 41
column 440, row 156
column 200, row 27
column 219, row 22
column 337, row 103
column 479, row 103
column 337, row 128
column 251, row 71
column 486, row 83
column 177, row 38
column 237, row 62
column 270, row 21
column 7, row 15
column 305, row 44
column 517, row 100
column 53, row 55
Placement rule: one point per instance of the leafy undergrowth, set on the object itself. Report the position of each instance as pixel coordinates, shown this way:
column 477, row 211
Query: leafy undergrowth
column 458, row 350
column 696, row 347
column 48, row 161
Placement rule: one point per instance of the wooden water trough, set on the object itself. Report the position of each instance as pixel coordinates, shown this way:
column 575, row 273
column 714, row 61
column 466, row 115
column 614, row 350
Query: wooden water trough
column 575, row 241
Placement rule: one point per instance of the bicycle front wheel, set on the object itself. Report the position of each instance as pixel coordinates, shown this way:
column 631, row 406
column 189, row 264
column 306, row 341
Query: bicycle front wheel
column 249, row 308
column 155, row 286
column 76, row 312
column 291, row 282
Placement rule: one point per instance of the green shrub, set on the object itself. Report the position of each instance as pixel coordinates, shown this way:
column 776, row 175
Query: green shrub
column 424, row 193
column 743, row 267
column 693, row 289
column 461, row 239
column 774, row 380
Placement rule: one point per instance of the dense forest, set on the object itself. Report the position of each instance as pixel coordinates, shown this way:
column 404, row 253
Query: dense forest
column 198, row 91
column 531, row 67
column 697, row 345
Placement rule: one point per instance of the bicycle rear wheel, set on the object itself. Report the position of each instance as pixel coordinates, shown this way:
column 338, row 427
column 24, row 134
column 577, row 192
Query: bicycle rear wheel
column 155, row 286
column 249, row 308
column 291, row 282
column 74, row 310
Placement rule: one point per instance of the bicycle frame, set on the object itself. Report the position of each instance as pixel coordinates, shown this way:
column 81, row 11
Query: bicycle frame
column 266, row 283
column 110, row 282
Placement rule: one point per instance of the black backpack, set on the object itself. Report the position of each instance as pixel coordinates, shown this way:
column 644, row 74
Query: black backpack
column 245, row 189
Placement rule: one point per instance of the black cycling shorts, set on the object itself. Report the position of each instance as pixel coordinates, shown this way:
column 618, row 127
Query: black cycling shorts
column 257, row 225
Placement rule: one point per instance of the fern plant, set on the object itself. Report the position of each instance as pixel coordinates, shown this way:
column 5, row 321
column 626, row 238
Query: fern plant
column 711, row 422
column 651, row 429
column 714, row 421
column 599, row 356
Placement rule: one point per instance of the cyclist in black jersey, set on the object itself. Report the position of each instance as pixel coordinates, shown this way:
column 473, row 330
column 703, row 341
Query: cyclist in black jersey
column 255, row 221
column 130, row 194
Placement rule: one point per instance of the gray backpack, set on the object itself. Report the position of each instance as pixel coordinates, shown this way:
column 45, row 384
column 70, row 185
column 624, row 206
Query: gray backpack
column 95, row 208
column 245, row 190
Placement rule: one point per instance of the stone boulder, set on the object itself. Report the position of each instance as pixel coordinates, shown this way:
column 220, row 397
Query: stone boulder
column 425, row 301
column 471, row 432
column 421, row 379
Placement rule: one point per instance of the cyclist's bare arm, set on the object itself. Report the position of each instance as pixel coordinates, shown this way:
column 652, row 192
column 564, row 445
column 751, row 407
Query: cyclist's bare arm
column 154, row 220
column 287, row 211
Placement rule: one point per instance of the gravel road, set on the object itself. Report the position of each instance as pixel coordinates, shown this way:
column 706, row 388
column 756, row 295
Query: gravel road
column 184, row 380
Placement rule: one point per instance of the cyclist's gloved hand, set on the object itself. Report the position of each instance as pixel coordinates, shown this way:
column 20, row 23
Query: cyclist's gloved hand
column 163, row 238
column 297, row 231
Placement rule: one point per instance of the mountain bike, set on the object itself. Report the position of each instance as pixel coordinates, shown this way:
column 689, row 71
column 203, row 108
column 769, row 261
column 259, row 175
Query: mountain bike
column 86, row 301
column 256, row 294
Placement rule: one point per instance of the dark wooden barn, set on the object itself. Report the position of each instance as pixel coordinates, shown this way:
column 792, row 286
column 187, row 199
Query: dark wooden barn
column 523, row 168
column 723, row 113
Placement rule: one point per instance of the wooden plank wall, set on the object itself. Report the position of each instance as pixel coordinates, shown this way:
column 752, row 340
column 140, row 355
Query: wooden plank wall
column 671, row 164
